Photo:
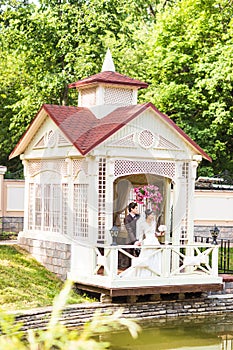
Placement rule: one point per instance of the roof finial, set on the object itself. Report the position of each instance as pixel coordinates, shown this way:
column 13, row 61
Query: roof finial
column 108, row 64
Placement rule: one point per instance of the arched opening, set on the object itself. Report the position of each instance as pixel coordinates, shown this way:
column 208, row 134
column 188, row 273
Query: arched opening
column 125, row 191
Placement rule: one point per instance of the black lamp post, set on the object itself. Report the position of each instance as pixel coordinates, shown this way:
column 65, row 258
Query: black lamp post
column 114, row 233
column 214, row 233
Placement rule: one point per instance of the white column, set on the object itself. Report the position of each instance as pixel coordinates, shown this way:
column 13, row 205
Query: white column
column 179, row 203
column 70, row 184
column 92, row 200
column 191, row 187
column 168, row 209
column 109, row 198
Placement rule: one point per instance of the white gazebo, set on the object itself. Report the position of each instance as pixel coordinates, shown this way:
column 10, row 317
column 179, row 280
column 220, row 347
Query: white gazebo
column 81, row 167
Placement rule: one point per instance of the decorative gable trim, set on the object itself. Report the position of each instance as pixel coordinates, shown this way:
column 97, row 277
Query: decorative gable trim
column 40, row 143
column 165, row 144
column 145, row 139
column 127, row 141
column 51, row 139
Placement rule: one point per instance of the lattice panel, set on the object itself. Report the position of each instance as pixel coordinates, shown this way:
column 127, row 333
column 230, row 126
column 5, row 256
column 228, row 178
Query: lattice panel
column 88, row 97
column 80, row 218
column 30, row 206
column 37, row 166
column 47, row 201
column 62, row 141
column 118, row 96
column 127, row 141
column 48, row 207
column 127, row 167
column 79, row 164
column 163, row 143
column 101, row 196
column 146, row 139
column 55, row 212
column 40, row 143
column 38, row 206
column 65, row 206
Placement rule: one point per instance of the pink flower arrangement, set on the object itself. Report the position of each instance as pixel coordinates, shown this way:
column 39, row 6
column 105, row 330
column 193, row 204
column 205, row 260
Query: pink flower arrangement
column 148, row 194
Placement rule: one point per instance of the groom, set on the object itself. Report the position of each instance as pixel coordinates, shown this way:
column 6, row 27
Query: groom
column 130, row 222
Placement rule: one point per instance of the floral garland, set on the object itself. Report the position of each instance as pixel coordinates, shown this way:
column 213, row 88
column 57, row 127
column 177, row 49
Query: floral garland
column 148, row 194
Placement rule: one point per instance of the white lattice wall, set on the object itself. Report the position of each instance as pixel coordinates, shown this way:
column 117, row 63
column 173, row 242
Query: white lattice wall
column 65, row 206
column 80, row 217
column 127, row 167
column 37, row 166
column 78, row 165
column 118, row 96
column 48, row 207
column 101, row 201
column 87, row 97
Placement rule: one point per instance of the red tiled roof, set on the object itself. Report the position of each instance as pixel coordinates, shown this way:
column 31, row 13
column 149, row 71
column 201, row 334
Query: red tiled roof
column 109, row 77
column 86, row 132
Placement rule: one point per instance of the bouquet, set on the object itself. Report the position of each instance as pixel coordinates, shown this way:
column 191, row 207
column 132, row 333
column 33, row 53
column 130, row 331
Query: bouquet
column 148, row 195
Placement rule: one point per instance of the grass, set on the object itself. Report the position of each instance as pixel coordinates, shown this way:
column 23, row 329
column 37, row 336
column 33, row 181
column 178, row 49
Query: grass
column 8, row 235
column 26, row 284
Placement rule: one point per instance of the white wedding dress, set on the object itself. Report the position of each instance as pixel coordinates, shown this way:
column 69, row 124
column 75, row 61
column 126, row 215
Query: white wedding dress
column 148, row 263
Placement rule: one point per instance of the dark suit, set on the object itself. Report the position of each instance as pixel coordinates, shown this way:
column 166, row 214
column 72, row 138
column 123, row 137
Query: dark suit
column 130, row 225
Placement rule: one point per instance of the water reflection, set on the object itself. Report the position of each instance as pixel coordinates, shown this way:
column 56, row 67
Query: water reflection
column 205, row 333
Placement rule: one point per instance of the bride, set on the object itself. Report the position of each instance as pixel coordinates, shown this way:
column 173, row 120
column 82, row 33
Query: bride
column 149, row 261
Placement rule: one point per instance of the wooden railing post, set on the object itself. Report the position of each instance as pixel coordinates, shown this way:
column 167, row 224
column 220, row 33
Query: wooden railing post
column 215, row 261
column 166, row 261
column 113, row 266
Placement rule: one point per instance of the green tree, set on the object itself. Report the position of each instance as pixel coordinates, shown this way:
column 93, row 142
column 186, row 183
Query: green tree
column 188, row 58
column 183, row 48
column 47, row 47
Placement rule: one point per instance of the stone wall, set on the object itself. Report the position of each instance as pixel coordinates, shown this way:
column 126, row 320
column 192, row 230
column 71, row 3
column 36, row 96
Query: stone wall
column 226, row 232
column 11, row 224
column 55, row 256
column 77, row 315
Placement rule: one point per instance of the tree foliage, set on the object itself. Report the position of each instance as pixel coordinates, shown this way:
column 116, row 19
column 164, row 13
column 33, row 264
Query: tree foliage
column 183, row 48
column 190, row 70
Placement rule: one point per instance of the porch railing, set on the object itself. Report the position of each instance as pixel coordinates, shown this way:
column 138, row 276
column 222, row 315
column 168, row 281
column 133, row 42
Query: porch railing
column 225, row 255
column 173, row 262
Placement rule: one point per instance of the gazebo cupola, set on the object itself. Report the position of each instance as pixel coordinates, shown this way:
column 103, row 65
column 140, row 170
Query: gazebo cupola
column 105, row 91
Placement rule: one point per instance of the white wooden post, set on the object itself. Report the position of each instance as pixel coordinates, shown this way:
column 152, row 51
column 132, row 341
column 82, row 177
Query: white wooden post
column 70, row 196
column 93, row 199
column 166, row 260
column 190, row 202
column 113, row 261
column 26, row 194
column 179, row 206
column 215, row 261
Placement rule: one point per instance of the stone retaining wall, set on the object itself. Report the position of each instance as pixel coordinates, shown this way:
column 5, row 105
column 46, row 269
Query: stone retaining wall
column 55, row 256
column 76, row 315
column 227, row 284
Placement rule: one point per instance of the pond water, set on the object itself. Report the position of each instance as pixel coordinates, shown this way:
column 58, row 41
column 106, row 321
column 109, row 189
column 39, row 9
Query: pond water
column 202, row 333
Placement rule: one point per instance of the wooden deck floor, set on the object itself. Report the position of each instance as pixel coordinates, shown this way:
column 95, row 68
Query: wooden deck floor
column 154, row 290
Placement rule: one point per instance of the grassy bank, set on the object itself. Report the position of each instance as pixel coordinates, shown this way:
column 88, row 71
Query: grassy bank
column 25, row 284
